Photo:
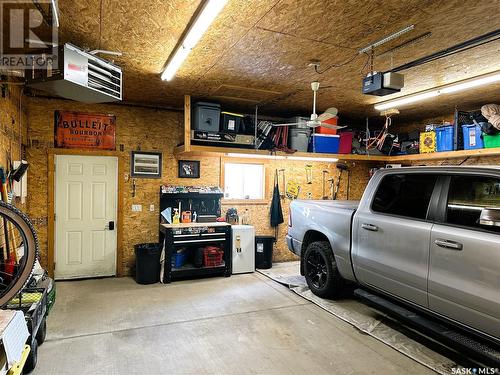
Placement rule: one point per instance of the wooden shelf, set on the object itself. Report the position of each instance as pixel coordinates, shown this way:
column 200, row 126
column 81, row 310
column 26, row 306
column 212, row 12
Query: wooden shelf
column 446, row 155
column 211, row 151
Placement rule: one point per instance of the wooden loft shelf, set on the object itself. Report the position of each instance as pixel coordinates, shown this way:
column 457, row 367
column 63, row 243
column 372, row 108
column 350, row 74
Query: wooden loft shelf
column 448, row 155
column 210, row 151
column 195, row 150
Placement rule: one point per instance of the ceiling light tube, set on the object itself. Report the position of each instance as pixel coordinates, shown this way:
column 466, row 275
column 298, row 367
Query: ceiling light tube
column 205, row 17
column 406, row 100
column 307, row 158
column 255, row 156
column 55, row 12
column 468, row 84
column 446, row 89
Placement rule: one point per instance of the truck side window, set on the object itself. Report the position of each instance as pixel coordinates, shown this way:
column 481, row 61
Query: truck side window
column 405, row 195
column 467, row 196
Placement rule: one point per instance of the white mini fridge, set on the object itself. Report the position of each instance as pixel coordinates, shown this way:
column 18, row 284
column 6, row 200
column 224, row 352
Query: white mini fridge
column 243, row 243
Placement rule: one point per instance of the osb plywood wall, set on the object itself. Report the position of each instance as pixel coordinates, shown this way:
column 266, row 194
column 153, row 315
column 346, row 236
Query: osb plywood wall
column 13, row 122
column 160, row 130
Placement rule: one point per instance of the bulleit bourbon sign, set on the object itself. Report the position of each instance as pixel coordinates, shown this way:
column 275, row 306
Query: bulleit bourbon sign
column 84, row 130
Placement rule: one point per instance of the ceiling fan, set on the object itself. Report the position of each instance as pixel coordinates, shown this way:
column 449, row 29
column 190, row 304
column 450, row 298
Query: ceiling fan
column 316, row 120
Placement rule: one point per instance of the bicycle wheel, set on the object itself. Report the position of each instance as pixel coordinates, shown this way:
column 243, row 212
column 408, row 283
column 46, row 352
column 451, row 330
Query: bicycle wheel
column 18, row 251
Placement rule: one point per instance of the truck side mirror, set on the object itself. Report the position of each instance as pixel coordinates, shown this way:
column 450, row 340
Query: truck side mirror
column 490, row 217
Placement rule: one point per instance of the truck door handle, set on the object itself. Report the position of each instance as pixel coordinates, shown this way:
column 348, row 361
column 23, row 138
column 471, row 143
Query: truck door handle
column 449, row 244
column 371, row 227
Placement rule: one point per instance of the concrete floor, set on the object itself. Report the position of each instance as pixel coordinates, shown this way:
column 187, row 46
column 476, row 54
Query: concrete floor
column 245, row 324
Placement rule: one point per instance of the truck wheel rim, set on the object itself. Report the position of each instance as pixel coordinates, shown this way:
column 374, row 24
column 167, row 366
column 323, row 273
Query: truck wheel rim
column 316, row 269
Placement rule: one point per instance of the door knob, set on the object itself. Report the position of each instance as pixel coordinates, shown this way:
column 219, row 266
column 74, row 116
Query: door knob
column 110, row 226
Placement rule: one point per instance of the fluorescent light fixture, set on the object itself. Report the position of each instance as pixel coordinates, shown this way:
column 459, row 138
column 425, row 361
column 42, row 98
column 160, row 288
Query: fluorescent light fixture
column 471, row 83
column 55, row 14
column 209, row 11
column 256, row 156
column 446, row 89
column 406, row 100
column 281, row 157
column 307, row 158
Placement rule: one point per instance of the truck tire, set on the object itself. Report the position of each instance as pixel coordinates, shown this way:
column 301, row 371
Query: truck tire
column 322, row 275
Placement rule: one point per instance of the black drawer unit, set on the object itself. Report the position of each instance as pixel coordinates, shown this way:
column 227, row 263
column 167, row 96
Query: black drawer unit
column 190, row 239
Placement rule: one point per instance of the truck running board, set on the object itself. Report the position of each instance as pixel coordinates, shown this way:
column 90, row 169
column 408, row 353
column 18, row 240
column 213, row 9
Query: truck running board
column 486, row 354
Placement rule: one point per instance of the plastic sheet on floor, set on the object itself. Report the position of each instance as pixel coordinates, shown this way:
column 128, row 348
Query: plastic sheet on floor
column 364, row 318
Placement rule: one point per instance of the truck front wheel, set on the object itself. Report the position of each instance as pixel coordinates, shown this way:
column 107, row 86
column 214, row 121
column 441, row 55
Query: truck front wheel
column 322, row 275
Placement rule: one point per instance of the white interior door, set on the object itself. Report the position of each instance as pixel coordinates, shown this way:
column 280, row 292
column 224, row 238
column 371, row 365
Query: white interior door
column 85, row 205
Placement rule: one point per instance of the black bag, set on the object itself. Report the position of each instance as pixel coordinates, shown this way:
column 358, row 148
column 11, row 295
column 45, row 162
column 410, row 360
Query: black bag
column 198, row 257
column 276, row 211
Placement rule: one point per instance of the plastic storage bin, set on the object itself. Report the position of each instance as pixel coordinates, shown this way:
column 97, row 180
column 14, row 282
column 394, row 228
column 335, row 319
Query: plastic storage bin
column 147, row 263
column 444, row 138
column 325, row 130
column 206, row 116
column 264, row 252
column 213, row 256
column 178, row 259
column 299, row 139
column 230, row 122
column 472, row 137
column 491, row 141
column 345, row 145
column 325, row 143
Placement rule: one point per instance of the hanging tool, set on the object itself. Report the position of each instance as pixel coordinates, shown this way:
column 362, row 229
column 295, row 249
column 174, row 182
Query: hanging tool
column 133, row 187
column 309, row 174
column 332, row 185
column 341, row 167
column 324, row 184
column 9, row 231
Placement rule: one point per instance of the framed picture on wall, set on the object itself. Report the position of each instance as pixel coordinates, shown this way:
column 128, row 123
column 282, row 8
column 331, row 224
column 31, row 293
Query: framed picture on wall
column 189, row 169
column 145, row 164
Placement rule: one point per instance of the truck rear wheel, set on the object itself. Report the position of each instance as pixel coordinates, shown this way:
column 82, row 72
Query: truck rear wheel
column 322, row 275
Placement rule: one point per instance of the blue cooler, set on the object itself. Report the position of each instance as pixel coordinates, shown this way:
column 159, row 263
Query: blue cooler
column 472, row 137
column 444, row 138
column 326, row 143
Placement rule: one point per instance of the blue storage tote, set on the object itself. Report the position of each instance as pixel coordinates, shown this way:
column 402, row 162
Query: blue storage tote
column 472, row 137
column 444, row 138
column 326, row 143
column 178, row 259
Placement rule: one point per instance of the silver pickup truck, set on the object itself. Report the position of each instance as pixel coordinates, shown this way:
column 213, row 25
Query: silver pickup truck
column 426, row 236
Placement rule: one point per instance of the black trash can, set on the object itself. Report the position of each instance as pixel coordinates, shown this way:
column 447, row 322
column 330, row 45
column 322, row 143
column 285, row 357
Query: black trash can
column 264, row 252
column 147, row 263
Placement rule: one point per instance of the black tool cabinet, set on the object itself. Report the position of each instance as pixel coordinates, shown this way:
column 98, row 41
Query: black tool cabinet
column 206, row 202
column 195, row 235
